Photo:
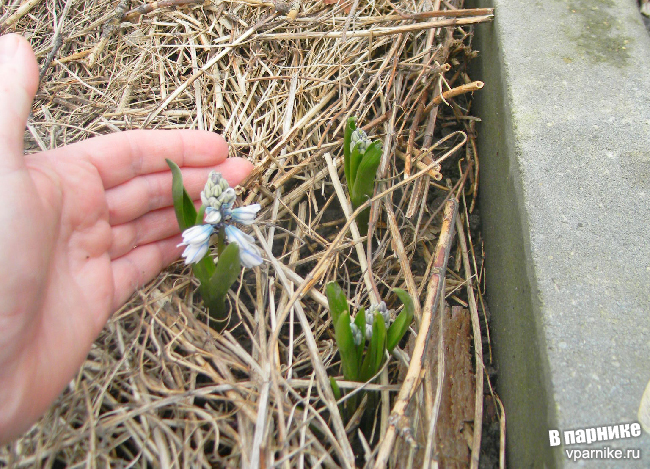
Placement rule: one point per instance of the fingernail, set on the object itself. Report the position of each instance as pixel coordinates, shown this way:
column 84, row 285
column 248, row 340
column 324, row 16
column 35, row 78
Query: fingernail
column 9, row 45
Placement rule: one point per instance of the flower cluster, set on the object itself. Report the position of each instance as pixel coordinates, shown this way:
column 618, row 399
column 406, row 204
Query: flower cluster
column 218, row 198
column 361, row 359
column 370, row 319
column 370, row 316
column 360, row 138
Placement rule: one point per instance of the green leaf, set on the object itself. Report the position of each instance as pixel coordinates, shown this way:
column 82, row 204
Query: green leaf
column 208, row 300
column 204, row 270
column 355, row 159
column 379, row 332
column 397, row 330
column 337, row 395
column 337, row 301
column 335, row 389
column 364, row 183
column 362, row 221
column 183, row 205
column 227, row 271
column 375, row 354
column 200, row 215
column 347, row 349
column 350, row 127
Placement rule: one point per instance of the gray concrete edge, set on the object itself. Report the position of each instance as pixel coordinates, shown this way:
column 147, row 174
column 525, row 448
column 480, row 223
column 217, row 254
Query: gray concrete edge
column 529, row 323
column 522, row 373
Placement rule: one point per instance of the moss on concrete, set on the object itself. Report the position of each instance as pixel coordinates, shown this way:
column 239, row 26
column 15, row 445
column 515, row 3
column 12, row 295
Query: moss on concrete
column 596, row 32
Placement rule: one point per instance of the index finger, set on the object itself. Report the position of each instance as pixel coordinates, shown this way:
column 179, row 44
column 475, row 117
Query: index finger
column 121, row 156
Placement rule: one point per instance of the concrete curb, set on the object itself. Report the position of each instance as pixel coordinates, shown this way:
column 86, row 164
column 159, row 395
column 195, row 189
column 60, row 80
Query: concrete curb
column 565, row 202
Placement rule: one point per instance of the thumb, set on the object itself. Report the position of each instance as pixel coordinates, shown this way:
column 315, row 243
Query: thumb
column 18, row 83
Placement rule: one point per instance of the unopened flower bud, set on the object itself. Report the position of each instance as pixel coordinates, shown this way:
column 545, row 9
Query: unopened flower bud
column 213, row 190
column 359, row 137
column 381, row 309
column 212, row 216
column 356, row 334
column 227, row 198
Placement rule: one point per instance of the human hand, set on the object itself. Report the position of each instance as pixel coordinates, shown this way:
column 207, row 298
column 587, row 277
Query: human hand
column 84, row 226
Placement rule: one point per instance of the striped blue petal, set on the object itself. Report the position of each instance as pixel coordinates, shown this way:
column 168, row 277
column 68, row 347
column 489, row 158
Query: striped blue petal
column 194, row 252
column 244, row 215
column 198, row 234
column 249, row 254
column 197, row 240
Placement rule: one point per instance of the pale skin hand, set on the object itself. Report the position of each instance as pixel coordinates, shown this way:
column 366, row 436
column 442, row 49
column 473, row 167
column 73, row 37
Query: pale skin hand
column 71, row 219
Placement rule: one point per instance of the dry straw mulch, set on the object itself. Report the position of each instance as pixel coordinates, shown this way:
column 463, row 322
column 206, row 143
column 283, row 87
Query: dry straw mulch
column 160, row 387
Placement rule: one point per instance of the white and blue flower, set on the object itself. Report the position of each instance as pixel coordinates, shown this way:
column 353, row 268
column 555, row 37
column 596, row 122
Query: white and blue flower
column 218, row 198
column 359, row 138
column 244, row 215
column 213, row 216
column 249, row 254
column 197, row 240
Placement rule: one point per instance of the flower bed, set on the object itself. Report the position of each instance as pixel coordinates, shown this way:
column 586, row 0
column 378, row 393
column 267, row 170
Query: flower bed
column 161, row 386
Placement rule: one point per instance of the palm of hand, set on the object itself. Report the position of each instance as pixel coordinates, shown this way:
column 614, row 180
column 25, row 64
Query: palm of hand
column 59, row 286
column 84, row 226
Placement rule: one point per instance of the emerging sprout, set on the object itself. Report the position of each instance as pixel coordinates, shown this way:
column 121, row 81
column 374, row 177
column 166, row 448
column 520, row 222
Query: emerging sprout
column 363, row 343
column 361, row 160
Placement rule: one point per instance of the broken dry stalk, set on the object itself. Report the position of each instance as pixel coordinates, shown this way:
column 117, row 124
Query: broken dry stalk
column 321, row 373
column 402, row 257
column 462, row 89
column 57, row 41
column 109, row 28
column 22, row 11
column 478, row 347
column 378, row 32
column 413, row 374
column 203, row 69
column 134, row 14
column 433, row 419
